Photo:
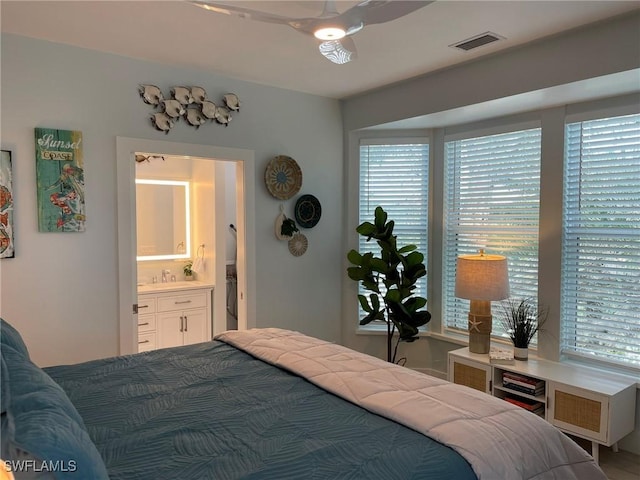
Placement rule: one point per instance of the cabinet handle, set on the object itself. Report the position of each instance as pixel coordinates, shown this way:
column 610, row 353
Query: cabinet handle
column 143, row 324
column 181, row 323
column 144, row 341
column 182, row 301
column 186, row 323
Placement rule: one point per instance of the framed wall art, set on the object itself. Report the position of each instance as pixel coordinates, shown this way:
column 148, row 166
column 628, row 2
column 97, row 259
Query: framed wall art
column 60, row 180
column 7, row 249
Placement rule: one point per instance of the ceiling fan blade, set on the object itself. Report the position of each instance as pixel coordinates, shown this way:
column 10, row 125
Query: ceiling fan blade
column 339, row 51
column 247, row 13
column 305, row 25
column 373, row 12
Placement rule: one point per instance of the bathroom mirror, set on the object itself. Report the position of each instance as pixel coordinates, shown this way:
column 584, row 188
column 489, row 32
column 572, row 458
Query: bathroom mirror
column 162, row 219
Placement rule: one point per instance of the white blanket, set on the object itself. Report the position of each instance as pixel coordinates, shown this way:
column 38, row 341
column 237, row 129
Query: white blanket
column 499, row 440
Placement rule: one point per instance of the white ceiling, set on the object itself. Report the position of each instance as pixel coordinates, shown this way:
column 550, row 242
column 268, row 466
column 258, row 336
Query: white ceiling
column 179, row 33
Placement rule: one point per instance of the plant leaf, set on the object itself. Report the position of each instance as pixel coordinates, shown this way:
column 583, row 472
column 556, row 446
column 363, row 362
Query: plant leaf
column 366, row 229
column 364, row 303
column 354, row 257
column 407, row 248
column 380, row 217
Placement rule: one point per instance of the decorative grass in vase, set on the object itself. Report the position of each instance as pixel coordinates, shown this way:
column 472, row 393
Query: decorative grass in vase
column 522, row 319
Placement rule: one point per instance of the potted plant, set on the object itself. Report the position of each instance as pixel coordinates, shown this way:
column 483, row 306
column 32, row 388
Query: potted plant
column 187, row 270
column 391, row 278
column 522, row 319
column 288, row 227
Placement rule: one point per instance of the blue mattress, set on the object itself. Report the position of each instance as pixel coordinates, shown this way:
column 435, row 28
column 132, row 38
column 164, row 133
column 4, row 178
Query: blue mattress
column 210, row 411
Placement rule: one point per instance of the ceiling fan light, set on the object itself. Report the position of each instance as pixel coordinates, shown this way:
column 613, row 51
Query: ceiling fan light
column 335, row 51
column 329, row 33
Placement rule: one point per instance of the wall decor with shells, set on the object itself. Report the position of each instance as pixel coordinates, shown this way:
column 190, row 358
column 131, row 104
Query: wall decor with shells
column 191, row 103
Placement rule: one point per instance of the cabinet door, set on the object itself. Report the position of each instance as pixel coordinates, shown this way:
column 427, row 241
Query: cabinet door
column 579, row 411
column 196, row 327
column 169, row 328
column 472, row 374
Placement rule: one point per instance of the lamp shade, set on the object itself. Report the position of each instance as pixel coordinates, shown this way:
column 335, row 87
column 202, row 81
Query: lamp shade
column 482, row 277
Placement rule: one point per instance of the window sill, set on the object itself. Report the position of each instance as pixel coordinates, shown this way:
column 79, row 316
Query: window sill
column 449, row 338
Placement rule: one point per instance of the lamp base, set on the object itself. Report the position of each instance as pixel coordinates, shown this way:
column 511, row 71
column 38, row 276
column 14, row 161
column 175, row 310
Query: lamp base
column 480, row 323
column 479, row 342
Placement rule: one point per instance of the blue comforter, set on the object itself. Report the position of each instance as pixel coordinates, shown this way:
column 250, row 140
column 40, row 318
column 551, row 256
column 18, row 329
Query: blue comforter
column 211, row 411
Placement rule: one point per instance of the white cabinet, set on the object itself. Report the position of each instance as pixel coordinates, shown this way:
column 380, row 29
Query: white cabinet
column 147, row 339
column 582, row 401
column 582, row 412
column 464, row 371
column 174, row 318
column 182, row 328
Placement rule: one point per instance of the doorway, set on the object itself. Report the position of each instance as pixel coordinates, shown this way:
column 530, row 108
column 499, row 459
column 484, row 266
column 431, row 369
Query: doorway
column 244, row 232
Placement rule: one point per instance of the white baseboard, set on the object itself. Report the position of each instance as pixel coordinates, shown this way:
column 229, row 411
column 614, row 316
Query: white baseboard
column 432, row 372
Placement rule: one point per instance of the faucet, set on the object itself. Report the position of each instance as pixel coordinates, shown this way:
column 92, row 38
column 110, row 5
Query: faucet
column 164, row 275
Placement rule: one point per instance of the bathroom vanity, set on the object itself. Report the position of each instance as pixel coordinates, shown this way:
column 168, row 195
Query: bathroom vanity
column 174, row 314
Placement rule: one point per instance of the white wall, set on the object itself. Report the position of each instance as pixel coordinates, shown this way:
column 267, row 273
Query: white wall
column 61, row 290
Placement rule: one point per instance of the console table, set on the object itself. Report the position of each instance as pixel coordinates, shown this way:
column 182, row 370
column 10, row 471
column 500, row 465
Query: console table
column 582, row 401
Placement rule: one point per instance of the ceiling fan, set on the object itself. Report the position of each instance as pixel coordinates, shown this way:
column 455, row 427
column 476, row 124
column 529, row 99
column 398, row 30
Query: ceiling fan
column 332, row 28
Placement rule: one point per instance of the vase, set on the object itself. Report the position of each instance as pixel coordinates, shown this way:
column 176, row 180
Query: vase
column 521, row 353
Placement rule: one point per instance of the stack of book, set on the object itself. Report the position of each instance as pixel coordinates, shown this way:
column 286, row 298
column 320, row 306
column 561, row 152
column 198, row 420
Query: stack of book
column 523, row 384
column 530, row 405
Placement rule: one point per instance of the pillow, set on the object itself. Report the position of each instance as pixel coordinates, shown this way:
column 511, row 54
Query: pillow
column 43, row 423
column 10, row 336
column 19, row 458
column 4, row 389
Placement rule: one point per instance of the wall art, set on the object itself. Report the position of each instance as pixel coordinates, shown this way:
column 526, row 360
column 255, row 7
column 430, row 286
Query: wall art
column 283, row 177
column 60, row 180
column 308, row 211
column 7, row 249
column 190, row 103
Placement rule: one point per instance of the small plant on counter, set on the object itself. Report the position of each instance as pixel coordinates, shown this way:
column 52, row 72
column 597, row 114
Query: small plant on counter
column 188, row 273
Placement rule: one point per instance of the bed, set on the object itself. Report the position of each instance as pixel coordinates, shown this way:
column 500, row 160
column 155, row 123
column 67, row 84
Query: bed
column 267, row 404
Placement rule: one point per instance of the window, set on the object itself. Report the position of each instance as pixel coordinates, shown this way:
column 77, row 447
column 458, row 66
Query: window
column 396, row 177
column 491, row 201
column 600, row 309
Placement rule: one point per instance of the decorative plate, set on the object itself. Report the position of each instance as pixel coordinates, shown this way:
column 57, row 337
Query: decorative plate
column 308, row 211
column 283, row 177
column 298, row 244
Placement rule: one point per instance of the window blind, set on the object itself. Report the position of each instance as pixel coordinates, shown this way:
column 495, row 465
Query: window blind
column 491, row 201
column 600, row 311
column 396, row 177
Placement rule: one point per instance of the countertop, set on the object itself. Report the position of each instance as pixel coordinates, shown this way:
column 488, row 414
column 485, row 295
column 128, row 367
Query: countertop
column 173, row 286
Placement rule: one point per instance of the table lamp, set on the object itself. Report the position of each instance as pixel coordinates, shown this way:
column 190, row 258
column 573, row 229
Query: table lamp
column 481, row 279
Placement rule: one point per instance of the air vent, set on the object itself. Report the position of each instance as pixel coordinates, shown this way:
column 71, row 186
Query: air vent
column 477, row 41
